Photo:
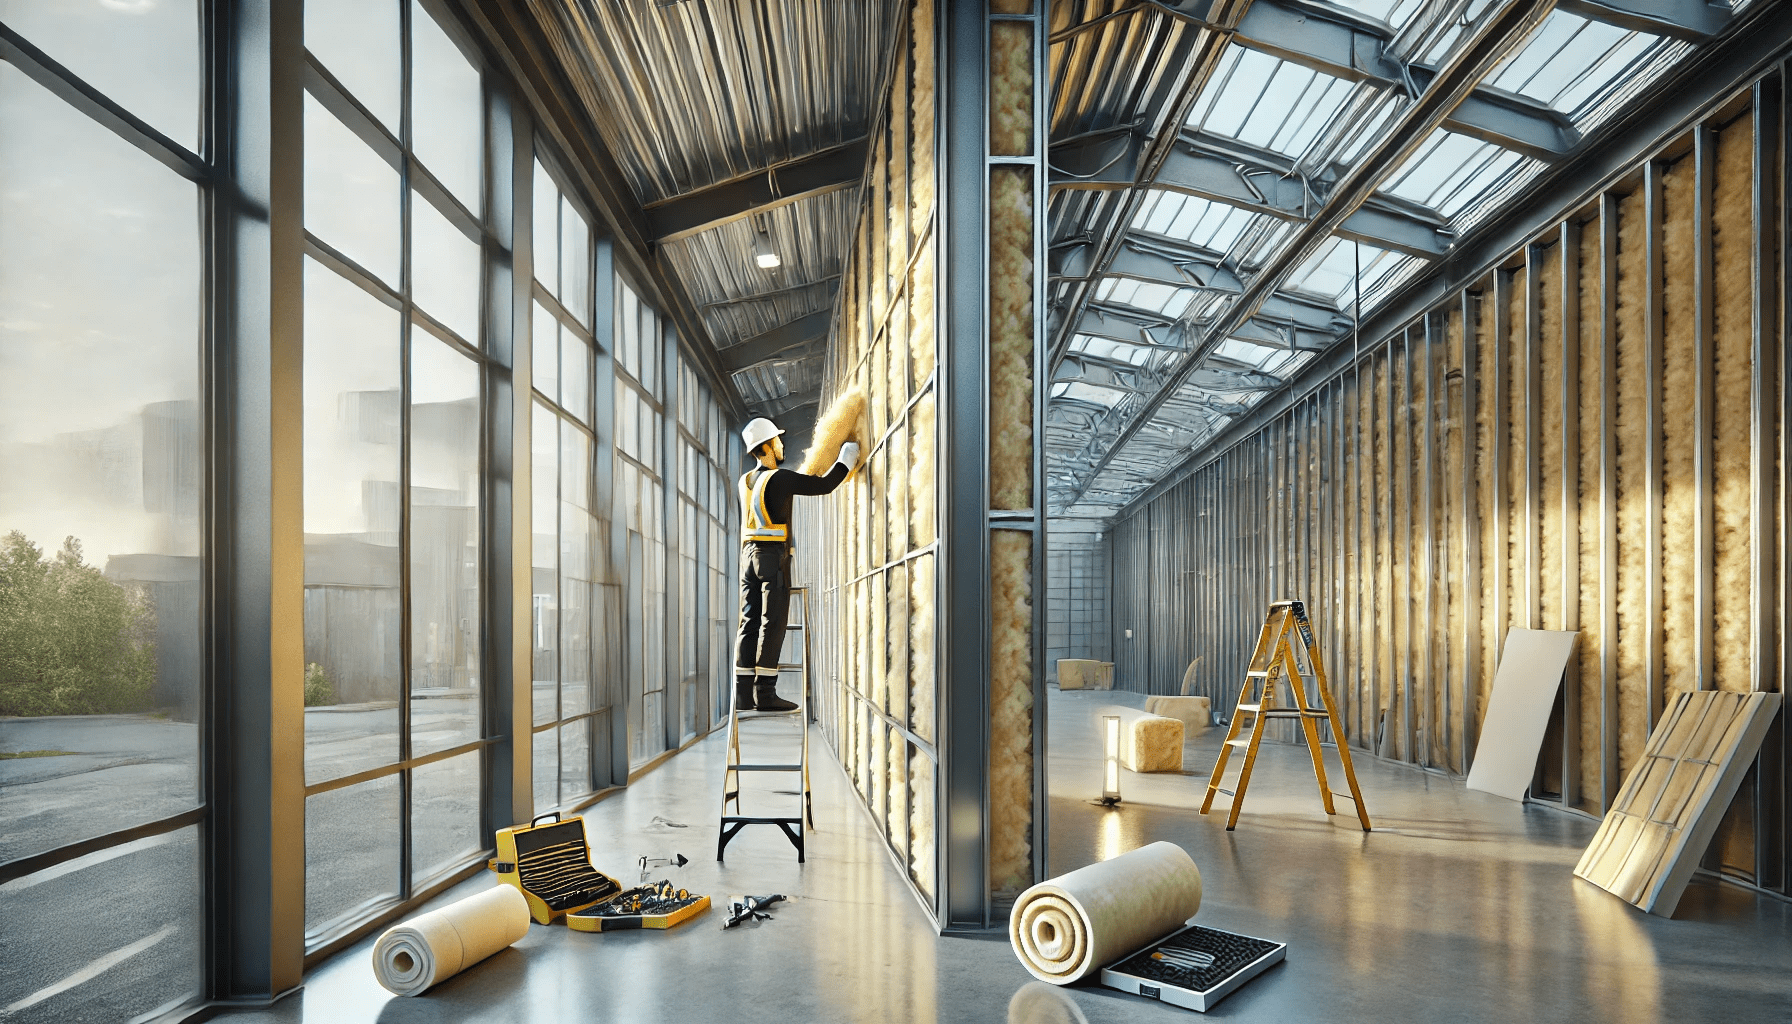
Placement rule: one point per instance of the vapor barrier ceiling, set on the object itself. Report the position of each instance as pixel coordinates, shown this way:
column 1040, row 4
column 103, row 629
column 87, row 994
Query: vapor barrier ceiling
column 738, row 123
column 1196, row 144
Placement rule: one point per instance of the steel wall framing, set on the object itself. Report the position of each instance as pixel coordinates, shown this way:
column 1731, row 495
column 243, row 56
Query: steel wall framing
column 1381, row 419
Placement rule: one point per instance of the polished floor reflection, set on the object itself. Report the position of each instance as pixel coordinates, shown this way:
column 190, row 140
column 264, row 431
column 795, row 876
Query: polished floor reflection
column 1459, row 907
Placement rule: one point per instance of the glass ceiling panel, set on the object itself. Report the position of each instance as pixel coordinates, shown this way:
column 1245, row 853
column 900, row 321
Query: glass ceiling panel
column 1207, row 224
column 1118, row 351
column 1331, row 271
column 1389, row 12
column 1078, row 391
column 1569, row 61
column 1267, row 102
column 1247, row 352
column 1149, row 295
column 1449, row 171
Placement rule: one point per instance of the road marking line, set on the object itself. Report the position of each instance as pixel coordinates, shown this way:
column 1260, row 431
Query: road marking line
column 92, row 970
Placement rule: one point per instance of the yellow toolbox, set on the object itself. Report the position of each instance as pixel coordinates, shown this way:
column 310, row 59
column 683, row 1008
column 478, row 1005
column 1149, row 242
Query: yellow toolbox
column 654, row 905
column 551, row 864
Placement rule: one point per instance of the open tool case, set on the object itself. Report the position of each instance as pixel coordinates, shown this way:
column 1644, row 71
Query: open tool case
column 551, row 864
column 1195, row 967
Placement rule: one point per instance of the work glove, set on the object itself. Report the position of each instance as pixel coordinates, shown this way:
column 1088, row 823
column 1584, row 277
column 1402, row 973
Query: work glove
column 849, row 455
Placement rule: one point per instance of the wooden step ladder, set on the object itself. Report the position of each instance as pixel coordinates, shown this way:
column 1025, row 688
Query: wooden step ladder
column 1275, row 655
column 792, row 826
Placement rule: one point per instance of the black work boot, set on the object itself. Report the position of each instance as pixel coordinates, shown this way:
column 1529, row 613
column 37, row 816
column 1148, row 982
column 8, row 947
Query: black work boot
column 765, row 698
column 743, row 695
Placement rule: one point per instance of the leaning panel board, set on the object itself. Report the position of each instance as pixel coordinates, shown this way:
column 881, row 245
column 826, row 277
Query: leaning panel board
column 1650, row 842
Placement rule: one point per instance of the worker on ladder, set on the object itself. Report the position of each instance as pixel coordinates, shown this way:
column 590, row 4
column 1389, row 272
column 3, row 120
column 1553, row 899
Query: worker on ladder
column 765, row 493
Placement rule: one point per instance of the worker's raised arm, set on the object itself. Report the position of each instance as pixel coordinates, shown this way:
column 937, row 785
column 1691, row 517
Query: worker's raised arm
column 803, row 483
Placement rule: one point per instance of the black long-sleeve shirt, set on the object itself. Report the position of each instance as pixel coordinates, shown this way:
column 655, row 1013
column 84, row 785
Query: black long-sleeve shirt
column 788, row 483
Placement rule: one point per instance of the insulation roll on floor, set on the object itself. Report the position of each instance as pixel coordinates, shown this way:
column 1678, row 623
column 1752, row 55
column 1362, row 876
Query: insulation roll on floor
column 1068, row 927
column 426, row 950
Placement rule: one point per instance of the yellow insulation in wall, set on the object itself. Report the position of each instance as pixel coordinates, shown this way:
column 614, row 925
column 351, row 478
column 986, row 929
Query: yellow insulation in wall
column 880, row 239
column 921, row 469
column 844, row 421
column 920, row 817
column 1365, row 643
column 1486, row 400
column 898, row 209
column 1592, row 638
column 880, row 769
column 1436, row 645
column 1383, row 635
column 1011, row 338
column 1517, row 369
column 1010, row 88
column 1732, row 336
column 896, row 817
column 1633, row 480
column 897, row 594
column 877, row 673
column 1679, row 391
column 1456, row 622
column 1403, row 527
column 899, row 491
column 896, row 339
column 1011, row 711
column 1549, row 277
column 921, row 654
column 921, row 317
column 921, row 114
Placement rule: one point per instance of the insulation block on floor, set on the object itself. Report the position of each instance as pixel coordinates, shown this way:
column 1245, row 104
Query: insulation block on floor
column 1077, row 673
column 1148, row 743
column 1672, row 801
column 1195, row 713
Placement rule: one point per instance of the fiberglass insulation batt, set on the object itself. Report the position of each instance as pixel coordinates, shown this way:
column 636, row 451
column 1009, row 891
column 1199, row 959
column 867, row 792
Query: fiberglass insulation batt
column 1633, row 479
column 1679, row 391
column 1592, row 619
column 431, row 948
column 1456, row 629
column 921, row 113
column 1011, row 710
column 1732, row 249
column 1011, row 339
column 1066, row 928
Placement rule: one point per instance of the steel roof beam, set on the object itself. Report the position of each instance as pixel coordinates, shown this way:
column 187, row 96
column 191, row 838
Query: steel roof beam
column 827, row 171
column 1494, row 37
column 1682, row 19
column 761, row 347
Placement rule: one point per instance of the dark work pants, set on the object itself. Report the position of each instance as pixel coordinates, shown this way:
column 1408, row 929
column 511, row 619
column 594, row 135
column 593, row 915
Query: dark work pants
column 764, row 610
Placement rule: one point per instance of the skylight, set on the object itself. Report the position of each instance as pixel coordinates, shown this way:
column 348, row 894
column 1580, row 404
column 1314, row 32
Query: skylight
column 1207, row 224
column 1268, row 102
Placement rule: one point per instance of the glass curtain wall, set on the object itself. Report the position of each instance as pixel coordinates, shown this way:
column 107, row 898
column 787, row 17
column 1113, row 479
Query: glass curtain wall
column 704, row 497
column 576, row 599
column 640, row 500
column 395, row 215
column 102, row 479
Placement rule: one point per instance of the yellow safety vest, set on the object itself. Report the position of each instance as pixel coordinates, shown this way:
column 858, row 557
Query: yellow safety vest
column 756, row 522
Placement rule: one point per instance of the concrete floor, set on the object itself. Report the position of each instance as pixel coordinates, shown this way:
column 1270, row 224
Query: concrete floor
column 1459, row 907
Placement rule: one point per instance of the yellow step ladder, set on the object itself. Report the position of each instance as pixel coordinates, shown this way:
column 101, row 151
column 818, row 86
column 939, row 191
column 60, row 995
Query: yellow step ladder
column 791, row 825
column 1275, row 656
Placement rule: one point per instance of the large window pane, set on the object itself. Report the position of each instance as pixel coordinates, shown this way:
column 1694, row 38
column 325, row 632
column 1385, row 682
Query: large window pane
column 444, row 270
column 145, row 942
column 575, row 759
column 358, row 40
column 446, row 109
column 99, row 477
column 544, row 445
column 547, row 233
column 575, row 373
column 444, row 546
column 444, row 815
column 351, row 194
column 144, row 56
column 575, row 262
column 576, row 577
column 546, row 360
column 547, row 770
column 352, row 631
column 351, row 852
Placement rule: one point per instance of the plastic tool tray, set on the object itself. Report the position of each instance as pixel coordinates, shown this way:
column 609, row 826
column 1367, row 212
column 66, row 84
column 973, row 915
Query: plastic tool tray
column 656, row 905
column 1195, row 967
column 552, row 866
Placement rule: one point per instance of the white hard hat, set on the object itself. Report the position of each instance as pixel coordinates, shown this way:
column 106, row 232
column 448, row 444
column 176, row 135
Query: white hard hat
column 758, row 431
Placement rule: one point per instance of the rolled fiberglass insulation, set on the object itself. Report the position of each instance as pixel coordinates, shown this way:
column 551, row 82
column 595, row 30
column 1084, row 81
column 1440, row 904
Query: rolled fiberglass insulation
column 1066, row 928
column 1633, row 480
column 1679, row 390
column 1517, row 371
column 1010, row 710
column 922, row 439
column 1732, row 249
column 921, row 114
column 897, row 679
column 1549, row 292
column 1011, row 338
column 1010, row 88
column 921, row 647
column 921, row 316
column 1592, row 618
column 921, row 820
column 431, row 948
